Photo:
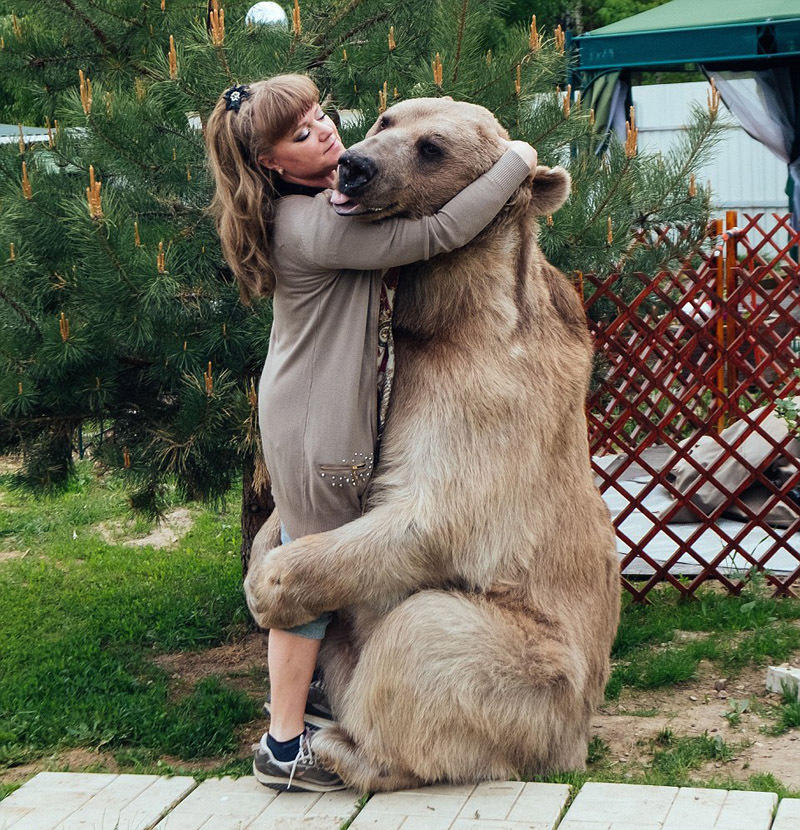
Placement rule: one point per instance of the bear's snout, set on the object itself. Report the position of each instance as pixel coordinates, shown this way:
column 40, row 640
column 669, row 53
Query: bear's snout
column 354, row 172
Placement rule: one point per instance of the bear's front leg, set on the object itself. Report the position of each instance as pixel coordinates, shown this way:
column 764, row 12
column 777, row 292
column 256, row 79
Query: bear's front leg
column 283, row 589
column 379, row 556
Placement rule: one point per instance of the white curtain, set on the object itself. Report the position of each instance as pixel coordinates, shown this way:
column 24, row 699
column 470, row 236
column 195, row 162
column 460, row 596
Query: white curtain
column 618, row 114
column 766, row 102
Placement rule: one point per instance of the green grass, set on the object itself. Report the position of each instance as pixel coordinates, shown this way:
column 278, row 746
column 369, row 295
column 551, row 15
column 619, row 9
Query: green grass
column 671, row 761
column 82, row 621
column 788, row 713
column 733, row 632
column 681, row 756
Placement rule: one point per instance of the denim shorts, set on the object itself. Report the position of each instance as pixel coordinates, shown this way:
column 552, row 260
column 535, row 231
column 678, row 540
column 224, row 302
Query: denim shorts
column 314, row 630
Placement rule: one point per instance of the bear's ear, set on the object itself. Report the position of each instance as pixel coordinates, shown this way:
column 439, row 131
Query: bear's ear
column 550, row 189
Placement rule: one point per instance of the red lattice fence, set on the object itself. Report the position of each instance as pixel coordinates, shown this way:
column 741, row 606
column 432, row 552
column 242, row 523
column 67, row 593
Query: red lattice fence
column 683, row 425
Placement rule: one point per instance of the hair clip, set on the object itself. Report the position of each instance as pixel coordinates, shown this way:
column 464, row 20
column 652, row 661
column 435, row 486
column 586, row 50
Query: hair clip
column 234, row 97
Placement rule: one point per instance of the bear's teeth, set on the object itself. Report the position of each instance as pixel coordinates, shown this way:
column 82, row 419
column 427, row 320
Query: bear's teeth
column 355, row 209
column 338, row 198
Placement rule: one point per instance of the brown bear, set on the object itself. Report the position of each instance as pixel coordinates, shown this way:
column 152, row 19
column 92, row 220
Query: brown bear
column 478, row 596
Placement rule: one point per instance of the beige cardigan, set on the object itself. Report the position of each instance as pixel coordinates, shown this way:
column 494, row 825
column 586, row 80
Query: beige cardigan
column 318, row 390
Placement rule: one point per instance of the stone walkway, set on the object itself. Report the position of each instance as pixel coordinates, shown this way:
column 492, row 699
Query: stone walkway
column 85, row 801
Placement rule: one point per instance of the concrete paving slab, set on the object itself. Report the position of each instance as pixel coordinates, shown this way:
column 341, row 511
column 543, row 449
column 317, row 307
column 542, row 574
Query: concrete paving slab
column 244, row 804
column 746, row 811
column 314, row 811
column 43, row 818
column 467, row 824
column 695, row 806
column 492, row 805
column 219, row 803
column 91, row 801
column 425, row 802
column 130, row 802
column 540, row 803
column 788, row 815
column 64, row 782
column 620, row 804
column 629, row 806
column 571, row 824
column 77, row 801
column 393, row 822
column 12, row 814
column 491, row 800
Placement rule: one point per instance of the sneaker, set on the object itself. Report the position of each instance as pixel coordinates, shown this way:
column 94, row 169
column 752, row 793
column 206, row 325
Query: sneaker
column 318, row 710
column 303, row 774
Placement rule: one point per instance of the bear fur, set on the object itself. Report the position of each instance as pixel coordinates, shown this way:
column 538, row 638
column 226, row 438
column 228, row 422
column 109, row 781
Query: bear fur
column 478, row 595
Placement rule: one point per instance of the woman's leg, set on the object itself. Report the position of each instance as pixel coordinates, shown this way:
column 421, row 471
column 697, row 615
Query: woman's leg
column 282, row 759
column 291, row 659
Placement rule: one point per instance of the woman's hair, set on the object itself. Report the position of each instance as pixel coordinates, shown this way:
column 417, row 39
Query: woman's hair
column 243, row 204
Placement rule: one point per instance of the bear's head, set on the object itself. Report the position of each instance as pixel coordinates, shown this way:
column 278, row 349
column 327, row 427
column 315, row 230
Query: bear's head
column 420, row 153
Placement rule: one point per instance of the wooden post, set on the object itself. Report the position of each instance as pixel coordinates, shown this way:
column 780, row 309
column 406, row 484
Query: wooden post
column 720, row 289
column 730, row 290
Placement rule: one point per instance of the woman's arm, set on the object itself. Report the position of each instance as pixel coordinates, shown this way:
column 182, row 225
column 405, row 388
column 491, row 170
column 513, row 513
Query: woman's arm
column 329, row 241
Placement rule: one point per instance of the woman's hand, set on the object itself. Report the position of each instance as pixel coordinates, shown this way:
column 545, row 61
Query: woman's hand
column 524, row 151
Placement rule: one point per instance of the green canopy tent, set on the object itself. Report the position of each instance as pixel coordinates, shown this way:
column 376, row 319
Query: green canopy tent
column 751, row 49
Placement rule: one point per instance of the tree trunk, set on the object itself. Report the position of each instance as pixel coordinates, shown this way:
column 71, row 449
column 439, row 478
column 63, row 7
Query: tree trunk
column 257, row 504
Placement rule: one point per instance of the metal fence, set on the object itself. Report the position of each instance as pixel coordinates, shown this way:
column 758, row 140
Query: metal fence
column 701, row 476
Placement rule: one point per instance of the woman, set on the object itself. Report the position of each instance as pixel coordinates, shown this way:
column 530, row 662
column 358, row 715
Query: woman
column 274, row 153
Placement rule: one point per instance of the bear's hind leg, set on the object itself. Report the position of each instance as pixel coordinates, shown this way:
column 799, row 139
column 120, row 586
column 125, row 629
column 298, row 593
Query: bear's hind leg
column 453, row 688
column 338, row 752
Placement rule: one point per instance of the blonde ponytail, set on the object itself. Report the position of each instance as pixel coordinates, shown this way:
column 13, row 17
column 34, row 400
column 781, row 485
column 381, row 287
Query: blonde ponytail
column 243, row 203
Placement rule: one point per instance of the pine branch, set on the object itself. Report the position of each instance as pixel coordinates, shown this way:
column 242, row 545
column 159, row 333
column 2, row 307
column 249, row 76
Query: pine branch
column 612, row 190
column 338, row 18
column 34, row 202
column 687, row 165
column 461, row 23
column 165, row 128
column 20, row 310
column 326, row 53
column 537, row 139
column 73, row 419
column 224, row 60
column 637, row 242
column 501, row 76
column 109, row 251
column 172, row 208
column 107, row 11
column 147, row 168
column 12, row 358
column 138, row 362
column 90, row 25
column 40, row 63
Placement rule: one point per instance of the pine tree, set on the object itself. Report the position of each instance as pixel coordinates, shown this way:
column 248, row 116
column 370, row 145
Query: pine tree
column 116, row 309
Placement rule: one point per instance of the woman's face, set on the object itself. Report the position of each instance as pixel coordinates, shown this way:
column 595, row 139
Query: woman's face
column 309, row 154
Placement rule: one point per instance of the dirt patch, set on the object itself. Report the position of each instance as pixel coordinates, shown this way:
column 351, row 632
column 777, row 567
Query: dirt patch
column 69, row 760
column 631, row 724
column 175, row 524
column 87, row 760
column 10, row 464
column 242, row 664
column 6, row 555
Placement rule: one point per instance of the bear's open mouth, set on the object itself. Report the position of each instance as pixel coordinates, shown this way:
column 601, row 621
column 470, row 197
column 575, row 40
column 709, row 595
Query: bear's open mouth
column 345, row 206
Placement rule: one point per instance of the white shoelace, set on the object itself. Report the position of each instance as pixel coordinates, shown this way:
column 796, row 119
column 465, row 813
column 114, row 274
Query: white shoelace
column 304, row 755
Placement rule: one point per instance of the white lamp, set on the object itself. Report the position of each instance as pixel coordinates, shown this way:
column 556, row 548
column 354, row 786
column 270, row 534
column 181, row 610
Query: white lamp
column 266, row 14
